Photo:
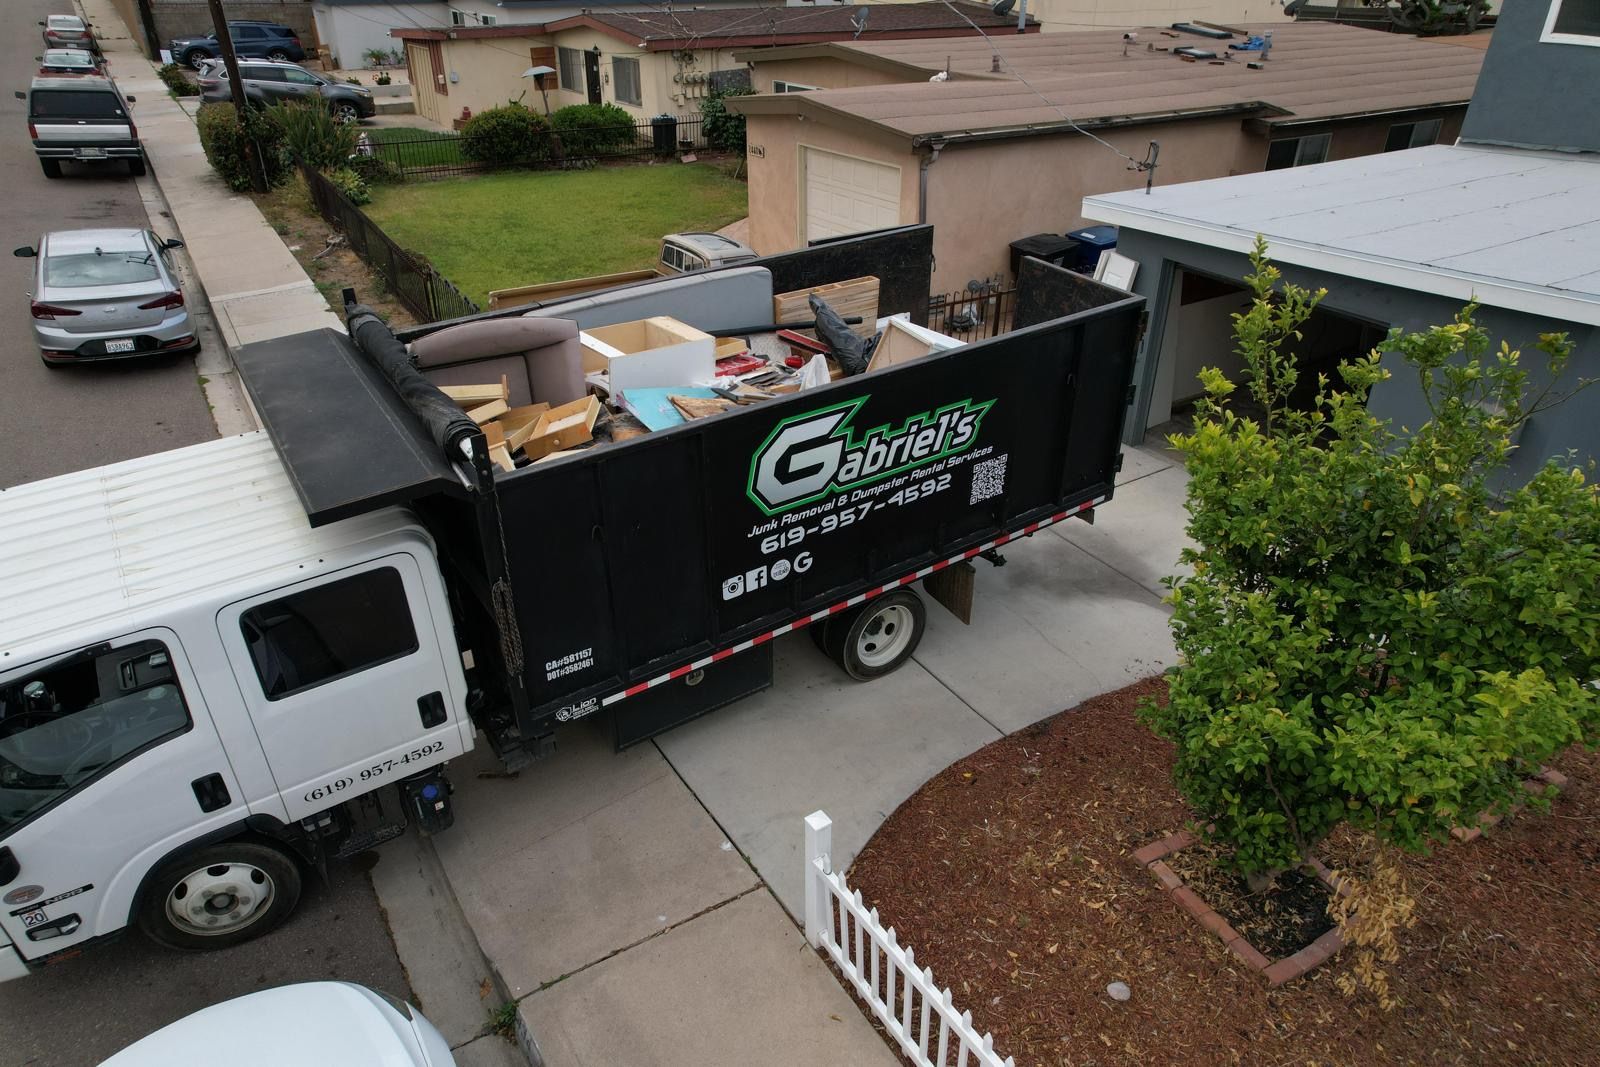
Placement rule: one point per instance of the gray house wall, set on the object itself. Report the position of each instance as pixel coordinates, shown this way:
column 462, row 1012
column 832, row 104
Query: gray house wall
column 1573, row 426
column 1533, row 94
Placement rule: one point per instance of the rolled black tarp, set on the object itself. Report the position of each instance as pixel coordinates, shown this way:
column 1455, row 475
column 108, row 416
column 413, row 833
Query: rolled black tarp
column 446, row 422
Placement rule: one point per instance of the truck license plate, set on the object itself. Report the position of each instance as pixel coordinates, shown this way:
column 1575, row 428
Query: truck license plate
column 121, row 344
column 91, row 153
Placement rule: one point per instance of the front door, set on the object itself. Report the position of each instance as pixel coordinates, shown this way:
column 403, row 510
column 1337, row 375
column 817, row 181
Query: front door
column 345, row 679
column 591, row 75
column 108, row 762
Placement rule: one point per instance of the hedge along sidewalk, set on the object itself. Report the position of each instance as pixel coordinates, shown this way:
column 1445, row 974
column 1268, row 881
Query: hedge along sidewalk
column 256, row 289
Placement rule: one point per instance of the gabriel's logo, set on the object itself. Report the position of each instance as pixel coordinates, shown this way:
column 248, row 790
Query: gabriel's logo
column 815, row 455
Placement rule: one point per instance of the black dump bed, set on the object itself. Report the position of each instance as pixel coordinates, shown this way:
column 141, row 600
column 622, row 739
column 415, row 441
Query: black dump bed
column 633, row 563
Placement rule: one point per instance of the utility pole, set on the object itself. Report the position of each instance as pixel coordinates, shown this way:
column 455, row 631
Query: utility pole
column 219, row 21
column 147, row 24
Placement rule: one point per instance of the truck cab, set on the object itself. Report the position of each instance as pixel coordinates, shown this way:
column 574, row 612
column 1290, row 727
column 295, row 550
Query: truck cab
column 683, row 253
column 83, row 119
column 194, row 687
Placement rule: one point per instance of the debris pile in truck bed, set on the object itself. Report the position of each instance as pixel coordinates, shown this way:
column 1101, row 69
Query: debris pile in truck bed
column 537, row 431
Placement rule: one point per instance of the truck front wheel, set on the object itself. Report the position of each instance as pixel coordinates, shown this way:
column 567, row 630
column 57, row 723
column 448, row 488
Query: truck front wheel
column 219, row 896
column 875, row 638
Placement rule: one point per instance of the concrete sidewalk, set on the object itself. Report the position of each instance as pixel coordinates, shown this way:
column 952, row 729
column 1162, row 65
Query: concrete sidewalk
column 253, row 284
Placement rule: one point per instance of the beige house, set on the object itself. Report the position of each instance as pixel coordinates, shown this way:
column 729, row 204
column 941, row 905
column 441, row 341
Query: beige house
column 1024, row 127
column 647, row 62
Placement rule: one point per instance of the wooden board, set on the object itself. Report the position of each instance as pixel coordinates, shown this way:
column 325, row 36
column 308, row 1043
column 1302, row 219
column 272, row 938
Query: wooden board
column 502, row 458
column 485, row 412
column 694, row 407
column 858, row 296
column 494, row 434
column 472, row 395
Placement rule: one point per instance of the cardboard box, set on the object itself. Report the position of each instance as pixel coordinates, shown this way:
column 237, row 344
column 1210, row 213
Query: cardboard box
column 650, row 353
column 562, row 427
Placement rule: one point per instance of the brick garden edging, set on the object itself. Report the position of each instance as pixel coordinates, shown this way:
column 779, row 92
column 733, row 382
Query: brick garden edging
column 1152, row 857
column 1536, row 784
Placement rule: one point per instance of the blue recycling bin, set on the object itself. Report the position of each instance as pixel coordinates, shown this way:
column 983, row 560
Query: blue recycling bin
column 1092, row 240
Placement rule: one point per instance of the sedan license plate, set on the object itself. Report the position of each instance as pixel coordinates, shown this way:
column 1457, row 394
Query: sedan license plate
column 121, row 344
column 91, row 153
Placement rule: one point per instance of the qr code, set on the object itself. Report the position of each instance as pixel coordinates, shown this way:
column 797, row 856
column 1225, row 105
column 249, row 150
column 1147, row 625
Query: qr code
column 988, row 479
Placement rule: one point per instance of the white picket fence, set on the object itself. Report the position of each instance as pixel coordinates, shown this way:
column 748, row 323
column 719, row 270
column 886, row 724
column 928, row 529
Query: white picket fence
column 916, row 1012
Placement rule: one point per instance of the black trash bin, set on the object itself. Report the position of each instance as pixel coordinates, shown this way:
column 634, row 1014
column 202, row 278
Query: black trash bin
column 1050, row 247
column 664, row 131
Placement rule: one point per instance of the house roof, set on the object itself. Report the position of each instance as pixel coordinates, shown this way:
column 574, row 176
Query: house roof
column 726, row 27
column 1513, row 228
column 1317, row 72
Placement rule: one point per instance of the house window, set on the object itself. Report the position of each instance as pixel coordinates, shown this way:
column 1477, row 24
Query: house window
column 458, row 18
column 625, row 78
column 1412, row 135
column 1573, row 22
column 488, row 20
column 1298, row 151
column 790, row 87
column 570, row 63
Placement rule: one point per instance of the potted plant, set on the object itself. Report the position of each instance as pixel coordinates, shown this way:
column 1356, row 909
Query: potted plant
column 376, row 57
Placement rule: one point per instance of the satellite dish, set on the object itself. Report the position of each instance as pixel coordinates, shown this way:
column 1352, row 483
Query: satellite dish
column 1003, row 7
column 859, row 20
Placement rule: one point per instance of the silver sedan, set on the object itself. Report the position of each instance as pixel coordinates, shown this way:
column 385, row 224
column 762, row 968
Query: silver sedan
column 106, row 294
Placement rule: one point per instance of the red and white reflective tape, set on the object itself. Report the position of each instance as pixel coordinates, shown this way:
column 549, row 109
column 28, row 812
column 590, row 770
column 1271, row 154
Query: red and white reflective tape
column 859, row 598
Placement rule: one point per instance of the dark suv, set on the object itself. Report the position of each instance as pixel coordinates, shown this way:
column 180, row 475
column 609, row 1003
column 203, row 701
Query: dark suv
column 264, row 40
column 267, row 83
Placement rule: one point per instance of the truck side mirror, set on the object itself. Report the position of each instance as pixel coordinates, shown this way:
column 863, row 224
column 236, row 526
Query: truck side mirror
column 20, row 95
column 130, row 99
column 172, row 242
column 25, row 252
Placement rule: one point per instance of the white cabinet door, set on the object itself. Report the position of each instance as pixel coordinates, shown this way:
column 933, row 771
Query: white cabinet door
column 108, row 762
column 344, row 677
column 848, row 195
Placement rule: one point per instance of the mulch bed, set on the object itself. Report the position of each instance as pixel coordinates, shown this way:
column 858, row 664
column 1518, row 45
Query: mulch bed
column 1009, row 873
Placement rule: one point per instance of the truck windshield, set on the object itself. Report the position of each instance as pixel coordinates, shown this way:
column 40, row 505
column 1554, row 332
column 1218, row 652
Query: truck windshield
column 65, row 725
column 74, row 104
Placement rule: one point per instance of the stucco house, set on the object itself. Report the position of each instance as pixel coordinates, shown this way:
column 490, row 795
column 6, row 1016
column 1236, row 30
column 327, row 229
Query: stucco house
column 648, row 62
column 1022, row 128
column 348, row 29
column 1509, row 216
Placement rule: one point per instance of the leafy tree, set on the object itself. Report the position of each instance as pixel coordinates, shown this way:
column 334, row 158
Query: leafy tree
column 724, row 129
column 1375, row 630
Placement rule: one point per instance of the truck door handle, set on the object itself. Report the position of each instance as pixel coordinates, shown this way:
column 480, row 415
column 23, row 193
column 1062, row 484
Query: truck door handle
column 431, row 707
column 211, row 792
column 9, row 867
column 67, row 924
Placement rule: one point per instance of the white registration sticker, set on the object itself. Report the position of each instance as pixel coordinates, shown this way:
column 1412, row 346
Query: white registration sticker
column 34, row 918
column 121, row 344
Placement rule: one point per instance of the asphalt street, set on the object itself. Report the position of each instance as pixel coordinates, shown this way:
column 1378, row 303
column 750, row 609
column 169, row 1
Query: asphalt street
column 65, row 419
column 81, row 1010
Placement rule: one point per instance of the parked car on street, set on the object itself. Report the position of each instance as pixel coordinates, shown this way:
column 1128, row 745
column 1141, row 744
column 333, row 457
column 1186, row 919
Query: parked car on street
column 68, row 31
column 85, row 119
column 267, row 82
column 308, row 1023
column 106, row 294
column 261, row 40
column 74, row 61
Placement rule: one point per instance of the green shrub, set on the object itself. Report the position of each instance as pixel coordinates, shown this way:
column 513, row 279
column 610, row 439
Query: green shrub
column 350, row 184
column 313, row 136
column 222, row 136
column 593, row 129
column 375, row 170
column 506, row 135
column 1378, row 628
column 175, row 77
column 724, row 130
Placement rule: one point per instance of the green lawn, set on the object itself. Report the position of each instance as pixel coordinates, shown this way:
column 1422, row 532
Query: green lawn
column 435, row 148
column 498, row 231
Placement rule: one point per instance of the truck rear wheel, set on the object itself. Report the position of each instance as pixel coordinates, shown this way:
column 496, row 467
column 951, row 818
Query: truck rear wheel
column 51, row 167
column 136, row 166
column 875, row 638
column 219, row 896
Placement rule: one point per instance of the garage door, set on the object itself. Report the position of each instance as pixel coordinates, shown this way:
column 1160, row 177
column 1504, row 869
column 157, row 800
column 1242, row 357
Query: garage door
column 848, row 195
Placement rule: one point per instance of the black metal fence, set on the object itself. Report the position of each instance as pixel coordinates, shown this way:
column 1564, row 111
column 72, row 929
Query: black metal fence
column 973, row 314
column 425, row 292
column 419, row 154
